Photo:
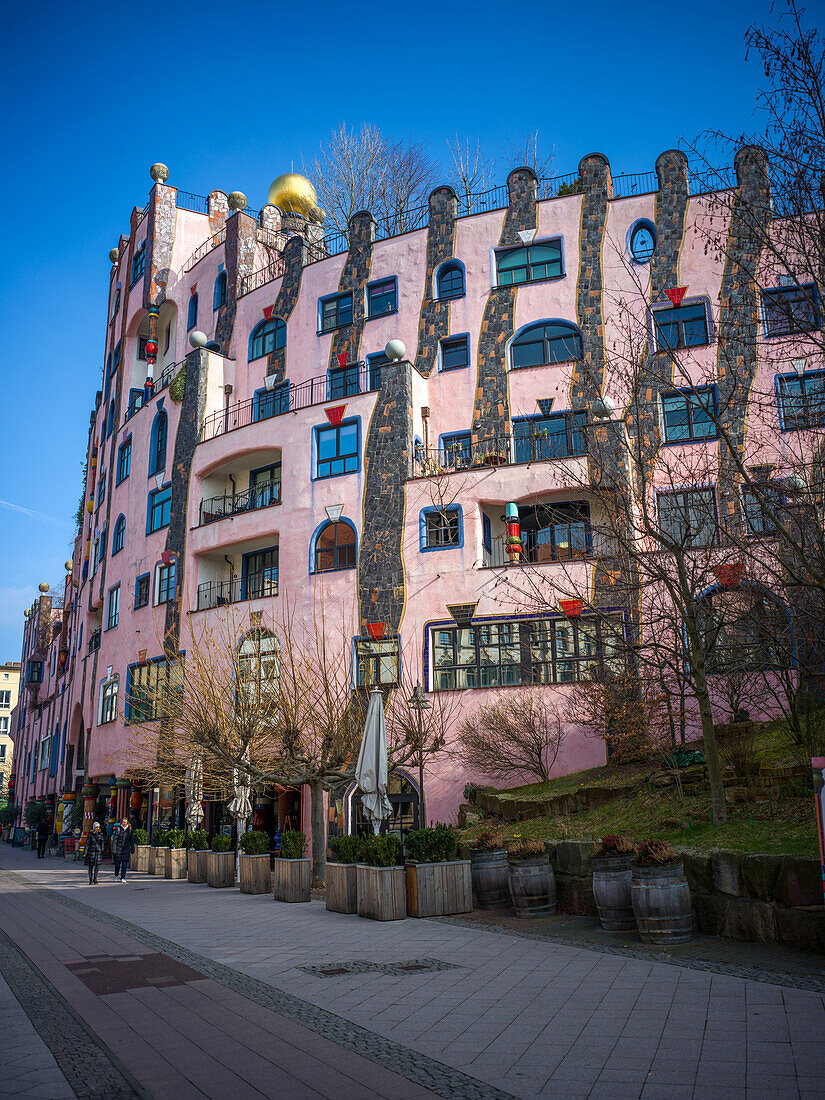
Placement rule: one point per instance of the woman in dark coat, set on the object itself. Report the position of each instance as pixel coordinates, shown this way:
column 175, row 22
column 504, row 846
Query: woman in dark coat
column 95, row 843
column 123, row 845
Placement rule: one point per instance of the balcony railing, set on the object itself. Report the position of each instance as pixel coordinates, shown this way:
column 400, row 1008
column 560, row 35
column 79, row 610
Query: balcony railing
column 94, row 641
column 253, row 586
column 249, row 500
column 502, row 450
column 563, row 542
column 285, row 398
column 204, row 250
column 160, row 383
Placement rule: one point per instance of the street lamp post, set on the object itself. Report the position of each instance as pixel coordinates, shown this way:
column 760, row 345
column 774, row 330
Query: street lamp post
column 420, row 703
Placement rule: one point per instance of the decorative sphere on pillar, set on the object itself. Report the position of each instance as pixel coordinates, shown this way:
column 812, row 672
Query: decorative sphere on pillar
column 151, row 347
column 114, row 255
column 159, row 173
column 395, row 350
column 293, row 194
column 44, row 587
column 603, row 408
column 198, row 339
column 237, row 200
column 68, row 566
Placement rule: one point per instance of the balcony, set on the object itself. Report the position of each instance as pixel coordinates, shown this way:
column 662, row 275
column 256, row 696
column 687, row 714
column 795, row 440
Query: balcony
column 253, row 586
column 256, row 497
column 565, row 439
column 551, row 532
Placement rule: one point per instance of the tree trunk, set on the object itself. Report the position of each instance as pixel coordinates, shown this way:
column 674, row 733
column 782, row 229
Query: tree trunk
column 718, row 807
column 319, row 833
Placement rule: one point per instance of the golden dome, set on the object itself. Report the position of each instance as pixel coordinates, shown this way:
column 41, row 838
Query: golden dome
column 293, row 194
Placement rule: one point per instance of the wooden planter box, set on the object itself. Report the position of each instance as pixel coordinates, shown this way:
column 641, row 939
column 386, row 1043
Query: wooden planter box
column 342, row 887
column 196, row 868
column 141, row 857
column 157, row 861
column 290, row 879
column 439, row 889
column 382, row 892
column 220, row 869
column 255, row 876
column 174, row 863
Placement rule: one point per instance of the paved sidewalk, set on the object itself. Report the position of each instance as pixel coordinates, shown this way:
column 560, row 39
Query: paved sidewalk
column 27, row 1067
column 527, row 1016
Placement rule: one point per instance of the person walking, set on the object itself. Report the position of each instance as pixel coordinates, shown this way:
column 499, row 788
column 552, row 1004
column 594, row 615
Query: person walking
column 44, row 831
column 123, row 845
column 95, row 843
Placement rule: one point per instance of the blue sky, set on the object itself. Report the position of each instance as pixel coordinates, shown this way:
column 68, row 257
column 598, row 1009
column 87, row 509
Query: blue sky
column 229, row 96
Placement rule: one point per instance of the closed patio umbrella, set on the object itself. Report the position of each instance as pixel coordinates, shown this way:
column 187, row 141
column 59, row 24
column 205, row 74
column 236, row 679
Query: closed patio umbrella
column 371, row 769
column 194, row 794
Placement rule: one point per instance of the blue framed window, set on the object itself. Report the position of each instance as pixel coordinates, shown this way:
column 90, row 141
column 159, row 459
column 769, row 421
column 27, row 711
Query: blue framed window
column 689, row 416
column 259, row 574
column 336, row 547
column 107, row 378
column 542, row 438
column 160, row 509
column 684, row 326
column 545, row 343
column 101, row 489
column 754, row 502
column 110, row 420
column 529, row 265
column 141, row 590
column 337, row 449
column 124, row 460
column 441, row 528
column 116, row 306
column 219, row 291
column 139, row 263
column 344, row 381
column 269, row 403
column 377, row 662
column 375, row 365
column 455, row 353
column 118, row 534
column 108, row 702
column 192, row 315
column 382, row 297
column 642, row 241
column 449, row 281
column 335, row 311
column 790, row 309
column 157, row 443
column 165, row 581
column 116, row 356
column 266, row 337
column 153, row 690
column 689, row 518
column 136, row 397
column 457, row 449
column 113, row 608
column 801, row 400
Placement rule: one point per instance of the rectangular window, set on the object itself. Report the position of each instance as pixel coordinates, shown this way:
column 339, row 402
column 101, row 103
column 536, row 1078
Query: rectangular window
column 45, row 746
column 337, row 449
column 529, row 265
column 522, row 652
column 382, row 297
column 541, row 438
column 160, row 508
column 260, row 574
column 754, row 502
column 113, row 608
column 344, row 381
column 689, row 518
column 790, row 309
column 442, row 527
column 101, row 489
column 377, row 663
column 142, row 591
column 375, row 365
column 135, row 402
column 336, row 311
column 455, row 353
column 5, row 698
column 153, row 690
column 4, row 725
column 3, row 750
column 108, row 702
column 142, row 342
column 681, row 327
column 457, row 450
column 269, row 403
column 165, row 583
column 124, row 460
column 802, row 400
column 139, row 263
column 689, row 415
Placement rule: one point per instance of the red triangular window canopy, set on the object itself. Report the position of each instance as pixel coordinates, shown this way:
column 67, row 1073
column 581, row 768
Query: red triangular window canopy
column 342, row 357
column 572, row 608
column 676, row 294
column 268, row 312
column 729, row 575
column 335, row 414
column 376, row 630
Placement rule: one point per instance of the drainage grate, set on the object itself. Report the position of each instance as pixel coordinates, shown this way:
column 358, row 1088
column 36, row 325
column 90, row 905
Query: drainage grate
column 362, row 966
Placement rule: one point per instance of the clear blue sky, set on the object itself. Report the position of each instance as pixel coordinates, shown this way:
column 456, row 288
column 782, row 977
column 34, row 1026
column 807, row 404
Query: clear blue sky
column 229, row 95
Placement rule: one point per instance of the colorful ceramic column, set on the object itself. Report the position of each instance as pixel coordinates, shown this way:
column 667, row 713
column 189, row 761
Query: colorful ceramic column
column 89, row 793
column 124, row 787
column 513, row 545
column 151, row 349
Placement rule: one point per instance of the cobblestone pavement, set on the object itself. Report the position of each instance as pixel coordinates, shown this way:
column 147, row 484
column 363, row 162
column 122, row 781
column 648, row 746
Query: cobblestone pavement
column 514, row 1014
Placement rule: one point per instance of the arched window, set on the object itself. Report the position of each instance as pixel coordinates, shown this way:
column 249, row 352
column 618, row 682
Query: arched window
column 157, row 445
column 449, row 282
column 118, row 533
column 531, row 264
column 266, row 337
column 335, row 547
column 544, row 343
column 192, row 318
column 642, row 241
column 219, row 293
column 744, row 629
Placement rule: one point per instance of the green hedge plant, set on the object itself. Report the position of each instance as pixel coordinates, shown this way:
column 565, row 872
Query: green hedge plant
column 140, row 836
column 176, row 838
column 198, row 840
column 8, row 815
column 293, row 845
column 35, row 813
column 255, row 843
column 221, row 843
column 381, row 851
column 438, row 844
column 346, row 849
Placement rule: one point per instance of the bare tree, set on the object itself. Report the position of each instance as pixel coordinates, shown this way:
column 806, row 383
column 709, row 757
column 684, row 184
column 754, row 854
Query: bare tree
column 528, row 151
column 519, row 732
column 471, row 172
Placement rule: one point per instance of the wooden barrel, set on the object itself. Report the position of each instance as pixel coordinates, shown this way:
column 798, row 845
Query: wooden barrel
column 611, row 891
column 661, row 902
column 488, row 867
column 532, row 887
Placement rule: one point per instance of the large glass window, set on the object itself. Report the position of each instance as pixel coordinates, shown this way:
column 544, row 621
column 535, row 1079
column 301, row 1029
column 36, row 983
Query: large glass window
column 375, row 365
column 335, row 548
column 457, row 450
column 529, row 265
column 441, row 528
column 267, row 337
column 260, row 574
column 546, row 343
column 268, row 403
column 802, row 400
column 153, row 690
column 790, row 309
column 541, row 438
column 118, row 534
column 689, row 415
column 450, row 281
column 337, row 449
column 157, row 444
column 377, row 662
column 344, row 381
column 108, row 702
column 139, row 263
column 124, row 460
column 160, row 508
column 744, row 629
column 336, row 311
column 689, row 518
column 681, row 327
column 113, row 608
column 382, row 297
column 754, row 503
column 165, row 579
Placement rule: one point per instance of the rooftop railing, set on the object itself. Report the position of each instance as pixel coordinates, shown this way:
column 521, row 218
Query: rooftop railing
column 208, row 246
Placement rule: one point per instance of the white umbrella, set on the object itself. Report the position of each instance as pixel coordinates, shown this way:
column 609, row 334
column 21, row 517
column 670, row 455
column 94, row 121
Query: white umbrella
column 240, row 806
column 194, row 794
column 371, row 769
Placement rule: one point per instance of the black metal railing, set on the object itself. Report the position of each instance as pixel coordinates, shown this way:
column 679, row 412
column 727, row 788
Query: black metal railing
column 635, row 183
column 260, row 278
column 500, row 450
column 208, row 246
column 160, row 383
column 563, row 542
column 263, row 495
column 94, row 641
column 254, row 586
column 197, row 203
column 285, row 398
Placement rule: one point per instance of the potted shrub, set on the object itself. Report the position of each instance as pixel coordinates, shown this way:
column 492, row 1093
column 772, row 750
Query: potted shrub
column 660, row 894
column 488, row 868
column 382, row 883
column 196, row 863
column 342, row 874
column 220, row 863
column 438, row 880
column 141, row 839
column 611, row 883
column 253, row 865
column 531, row 879
column 291, row 872
column 175, row 855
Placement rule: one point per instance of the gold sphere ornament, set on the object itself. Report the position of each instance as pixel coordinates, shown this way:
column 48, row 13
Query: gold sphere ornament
column 68, row 566
column 159, row 173
column 293, row 194
column 44, row 587
column 114, row 255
